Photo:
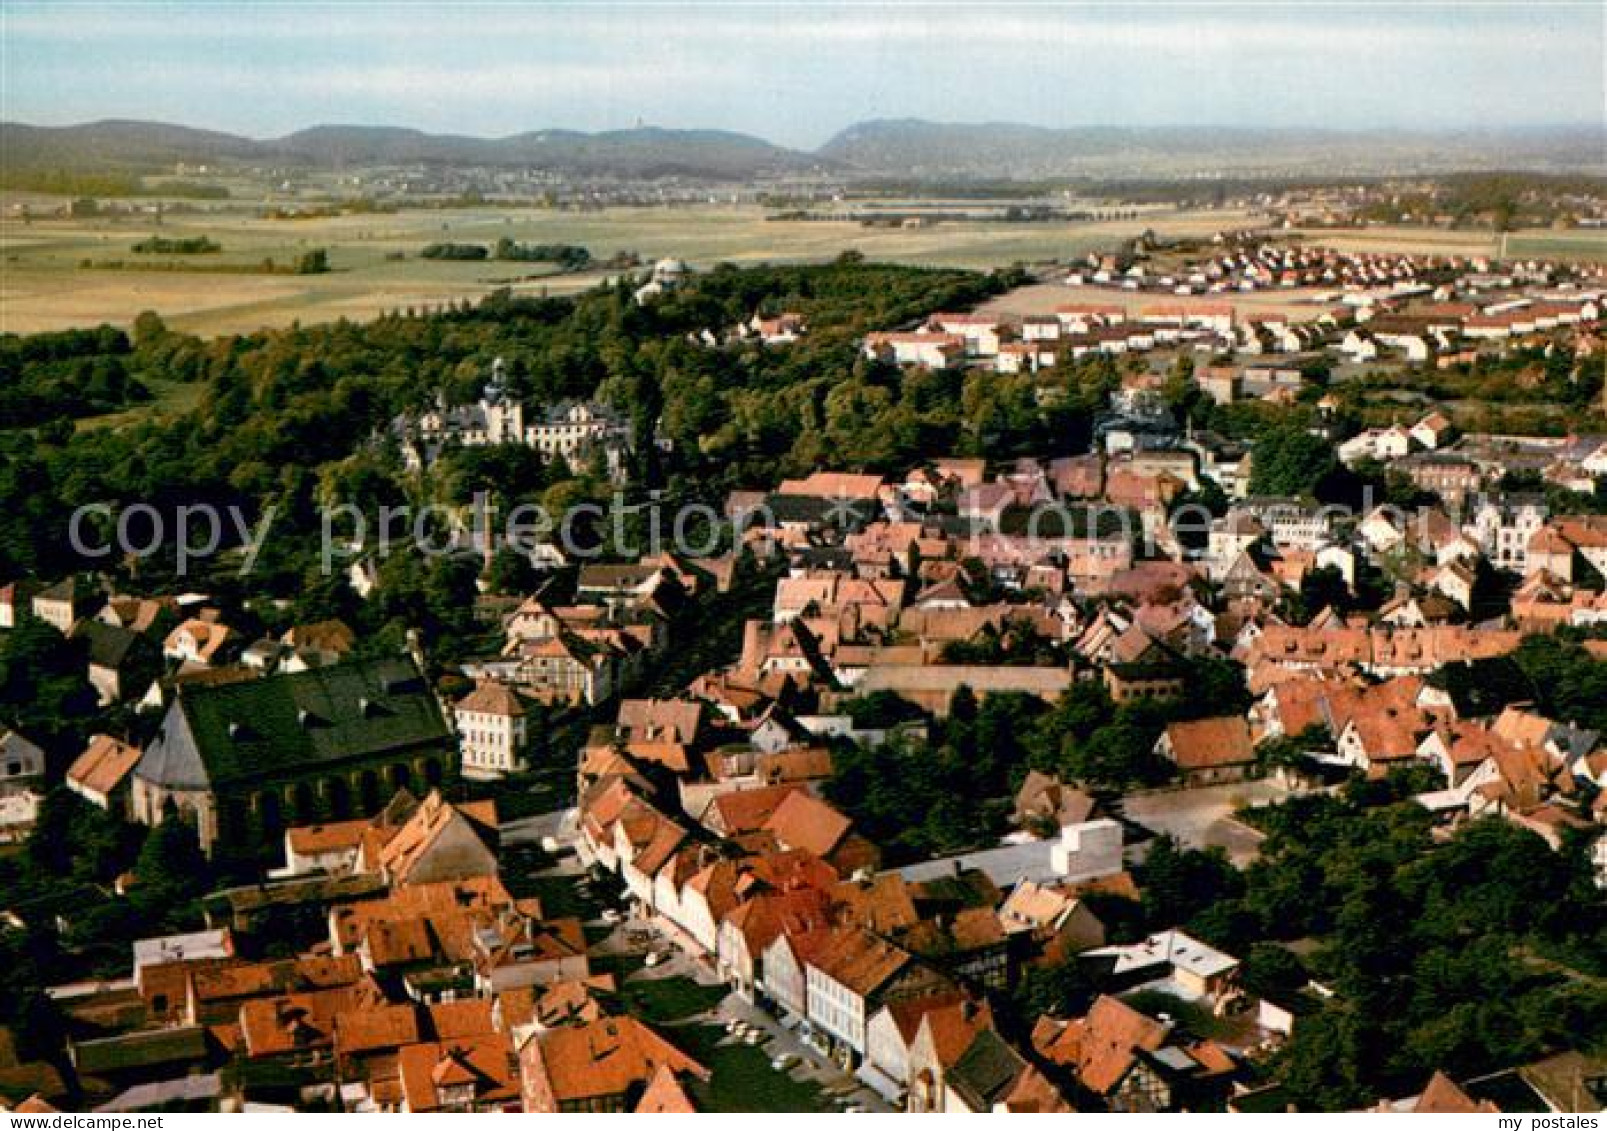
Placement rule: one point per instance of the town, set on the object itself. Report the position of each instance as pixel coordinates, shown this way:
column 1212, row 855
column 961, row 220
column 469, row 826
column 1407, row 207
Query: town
column 1169, row 680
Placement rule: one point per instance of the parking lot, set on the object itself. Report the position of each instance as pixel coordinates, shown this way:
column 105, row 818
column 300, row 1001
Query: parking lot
column 1203, row 818
column 759, row 1063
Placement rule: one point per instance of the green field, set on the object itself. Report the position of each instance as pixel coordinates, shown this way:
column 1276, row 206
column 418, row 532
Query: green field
column 44, row 287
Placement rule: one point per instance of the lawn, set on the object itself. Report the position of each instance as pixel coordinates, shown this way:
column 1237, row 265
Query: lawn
column 168, row 398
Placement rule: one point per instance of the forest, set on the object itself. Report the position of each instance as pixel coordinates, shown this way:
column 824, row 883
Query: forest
column 293, row 417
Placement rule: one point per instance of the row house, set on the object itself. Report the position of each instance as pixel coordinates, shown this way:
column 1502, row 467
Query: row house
column 1025, row 357
column 847, row 977
column 982, row 334
column 1378, row 651
column 1131, row 1062
column 931, row 351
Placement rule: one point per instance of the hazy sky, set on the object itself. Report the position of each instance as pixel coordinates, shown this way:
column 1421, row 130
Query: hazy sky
column 797, row 72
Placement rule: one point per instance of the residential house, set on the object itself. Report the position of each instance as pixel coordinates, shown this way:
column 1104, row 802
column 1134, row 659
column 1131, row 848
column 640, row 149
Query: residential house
column 101, row 774
column 1171, row 960
column 606, row 1065
column 493, row 731
column 891, row 1032
column 20, row 760
column 474, row 1074
column 202, row 641
column 1208, row 751
column 852, row 976
column 991, row 1077
column 944, row 1034
column 64, row 603
column 1131, row 1062
column 16, row 603
column 122, row 661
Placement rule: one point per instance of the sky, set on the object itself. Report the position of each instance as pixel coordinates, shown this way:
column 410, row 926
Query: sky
column 796, row 72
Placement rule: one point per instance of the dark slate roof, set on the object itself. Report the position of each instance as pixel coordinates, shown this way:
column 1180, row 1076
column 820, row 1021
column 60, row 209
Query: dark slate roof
column 109, row 645
column 141, row 1049
column 817, row 511
column 283, row 725
column 824, row 557
column 985, row 1070
column 64, row 590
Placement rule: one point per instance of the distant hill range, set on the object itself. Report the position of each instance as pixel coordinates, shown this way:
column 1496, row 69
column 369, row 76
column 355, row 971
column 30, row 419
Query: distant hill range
column 921, row 150
column 905, row 150
column 640, row 153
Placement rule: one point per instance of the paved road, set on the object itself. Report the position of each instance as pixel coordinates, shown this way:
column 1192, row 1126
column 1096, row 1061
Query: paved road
column 1202, row 818
column 560, row 824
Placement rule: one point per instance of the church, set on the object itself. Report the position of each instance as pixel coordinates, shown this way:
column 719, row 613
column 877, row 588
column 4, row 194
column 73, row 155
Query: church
column 243, row 761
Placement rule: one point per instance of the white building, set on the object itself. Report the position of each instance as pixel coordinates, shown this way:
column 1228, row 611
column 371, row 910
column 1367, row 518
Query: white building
column 19, row 758
column 1503, row 527
column 492, row 731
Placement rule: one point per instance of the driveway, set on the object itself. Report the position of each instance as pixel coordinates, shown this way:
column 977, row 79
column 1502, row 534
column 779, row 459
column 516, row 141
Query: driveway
column 1202, row 818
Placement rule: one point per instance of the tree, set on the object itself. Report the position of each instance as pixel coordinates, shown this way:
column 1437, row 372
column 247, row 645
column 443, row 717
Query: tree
column 50, row 843
column 1289, row 460
column 314, row 262
column 1323, row 1065
column 171, row 869
column 1324, row 588
column 1058, row 989
column 1179, row 883
column 1269, row 970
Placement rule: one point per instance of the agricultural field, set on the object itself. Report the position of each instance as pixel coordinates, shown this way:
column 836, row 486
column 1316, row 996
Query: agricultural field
column 44, row 285
column 1542, row 243
column 1298, row 304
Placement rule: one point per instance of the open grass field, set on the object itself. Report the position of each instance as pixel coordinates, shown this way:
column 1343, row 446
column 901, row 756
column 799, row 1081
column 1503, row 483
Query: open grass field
column 43, row 285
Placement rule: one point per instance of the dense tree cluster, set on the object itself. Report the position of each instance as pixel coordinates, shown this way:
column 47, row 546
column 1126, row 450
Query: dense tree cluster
column 176, row 245
column 1289, row 460
column 288, row 418
column 923, row 797
column 568, row 256
column 951, row 789
column 1465, row 956
column 461, row 251
column 67, row 374
column 71, row 925
column 1554, row 675
column 1091, row 739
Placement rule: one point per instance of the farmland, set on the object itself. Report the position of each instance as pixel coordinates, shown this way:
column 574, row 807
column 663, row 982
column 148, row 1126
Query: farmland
column 374, row 262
